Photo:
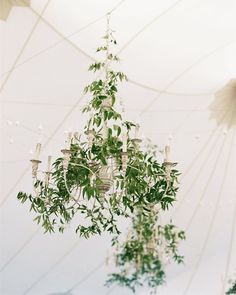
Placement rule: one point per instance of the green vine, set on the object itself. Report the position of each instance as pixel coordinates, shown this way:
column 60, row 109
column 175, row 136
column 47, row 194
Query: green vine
column 141, row 258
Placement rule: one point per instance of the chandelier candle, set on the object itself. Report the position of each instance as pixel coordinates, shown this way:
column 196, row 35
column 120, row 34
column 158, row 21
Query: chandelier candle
column 37, row 151
column 49, row 163
column 68, row 141
column 167, row 153
column 124, row 149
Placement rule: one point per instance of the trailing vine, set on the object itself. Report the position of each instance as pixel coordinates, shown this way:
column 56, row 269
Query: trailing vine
column 140, row 259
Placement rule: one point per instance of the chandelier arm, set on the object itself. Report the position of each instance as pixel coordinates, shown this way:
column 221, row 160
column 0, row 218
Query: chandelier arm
column 80, row 165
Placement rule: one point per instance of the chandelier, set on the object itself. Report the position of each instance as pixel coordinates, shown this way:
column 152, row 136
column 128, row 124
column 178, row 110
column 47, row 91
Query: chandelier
column 103, row 173
column 142, row 257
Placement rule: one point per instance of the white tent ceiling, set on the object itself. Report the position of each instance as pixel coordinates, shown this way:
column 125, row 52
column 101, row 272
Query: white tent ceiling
column 176, row 54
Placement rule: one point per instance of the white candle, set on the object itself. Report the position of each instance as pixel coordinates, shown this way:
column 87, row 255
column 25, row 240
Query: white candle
column 49, row 163
column 124, row 142
column 37, row 151
column 68, row 142
column 167, row 153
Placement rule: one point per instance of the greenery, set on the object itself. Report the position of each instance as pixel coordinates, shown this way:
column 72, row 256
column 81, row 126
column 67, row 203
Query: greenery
column 92, row 181
column 232, row 290
column 141, row 258
column 103, row 175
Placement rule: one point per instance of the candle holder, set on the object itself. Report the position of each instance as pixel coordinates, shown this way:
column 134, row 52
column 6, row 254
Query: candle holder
column 35, row 165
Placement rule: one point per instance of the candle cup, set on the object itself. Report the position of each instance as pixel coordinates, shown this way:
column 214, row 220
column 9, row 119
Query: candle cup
column 37, row 151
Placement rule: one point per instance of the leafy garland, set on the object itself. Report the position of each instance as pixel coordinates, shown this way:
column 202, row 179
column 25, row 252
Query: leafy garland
column 141, row 259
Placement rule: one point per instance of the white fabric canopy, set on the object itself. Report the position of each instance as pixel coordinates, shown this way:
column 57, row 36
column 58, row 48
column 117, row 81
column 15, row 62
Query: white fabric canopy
column 177, row 55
